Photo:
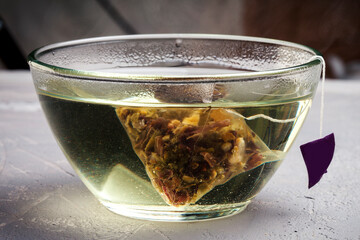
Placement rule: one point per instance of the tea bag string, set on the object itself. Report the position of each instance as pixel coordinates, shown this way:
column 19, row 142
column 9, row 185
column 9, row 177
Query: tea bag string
column 319, row 153
column 321, row 59
column 274, row 119
column 322, row 101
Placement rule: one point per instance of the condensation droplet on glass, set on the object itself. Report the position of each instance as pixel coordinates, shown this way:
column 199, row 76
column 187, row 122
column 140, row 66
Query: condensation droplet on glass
column 178, row 42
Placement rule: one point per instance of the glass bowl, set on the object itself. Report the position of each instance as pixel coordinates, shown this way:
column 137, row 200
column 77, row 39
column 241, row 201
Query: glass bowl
column 175, row 127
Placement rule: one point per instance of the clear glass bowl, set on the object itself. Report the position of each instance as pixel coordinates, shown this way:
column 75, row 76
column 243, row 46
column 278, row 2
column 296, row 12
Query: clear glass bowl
column 175, row 127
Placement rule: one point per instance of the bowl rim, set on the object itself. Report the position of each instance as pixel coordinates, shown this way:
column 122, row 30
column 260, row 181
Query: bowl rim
column 34, row 62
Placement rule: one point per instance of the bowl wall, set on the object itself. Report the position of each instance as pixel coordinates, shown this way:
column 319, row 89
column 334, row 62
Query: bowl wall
column 175, row 127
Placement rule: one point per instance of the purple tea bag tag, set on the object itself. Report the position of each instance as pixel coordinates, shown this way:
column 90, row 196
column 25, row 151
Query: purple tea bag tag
column 317, row 156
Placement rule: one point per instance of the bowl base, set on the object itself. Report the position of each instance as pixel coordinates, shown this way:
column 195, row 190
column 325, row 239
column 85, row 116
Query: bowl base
column 174, row 215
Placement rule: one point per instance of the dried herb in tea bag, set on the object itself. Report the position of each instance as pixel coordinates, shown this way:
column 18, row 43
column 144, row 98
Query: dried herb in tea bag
column 187, row 151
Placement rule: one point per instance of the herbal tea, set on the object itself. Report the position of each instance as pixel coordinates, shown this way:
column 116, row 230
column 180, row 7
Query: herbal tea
column 175, row 127
column 171, row 157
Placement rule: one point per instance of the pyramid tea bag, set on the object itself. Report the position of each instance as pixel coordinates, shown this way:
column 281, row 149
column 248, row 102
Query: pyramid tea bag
column 188, row 151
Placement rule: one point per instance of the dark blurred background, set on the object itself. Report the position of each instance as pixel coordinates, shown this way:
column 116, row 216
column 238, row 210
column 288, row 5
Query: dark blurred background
column 332, row 26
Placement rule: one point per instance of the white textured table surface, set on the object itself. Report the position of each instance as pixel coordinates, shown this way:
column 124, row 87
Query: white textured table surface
column 41, row 198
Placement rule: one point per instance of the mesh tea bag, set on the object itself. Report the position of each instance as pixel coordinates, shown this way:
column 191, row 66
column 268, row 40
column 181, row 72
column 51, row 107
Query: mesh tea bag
column 187, row 151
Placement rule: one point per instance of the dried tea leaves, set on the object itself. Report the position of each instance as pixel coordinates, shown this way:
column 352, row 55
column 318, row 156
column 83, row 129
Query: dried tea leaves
column 187, row 152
